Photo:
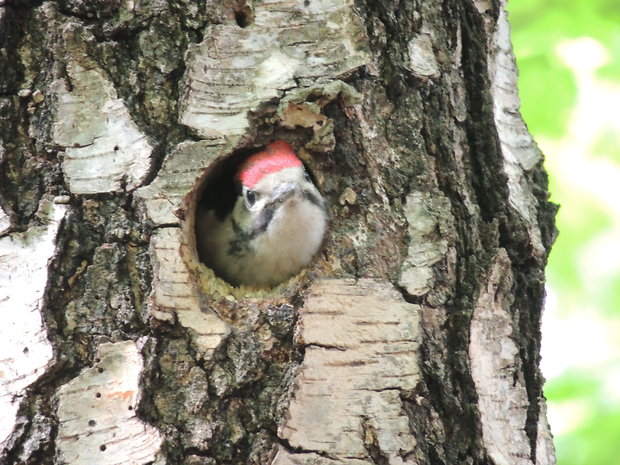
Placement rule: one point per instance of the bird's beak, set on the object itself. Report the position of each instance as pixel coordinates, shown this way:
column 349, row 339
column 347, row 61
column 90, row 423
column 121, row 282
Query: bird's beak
column 284, row 191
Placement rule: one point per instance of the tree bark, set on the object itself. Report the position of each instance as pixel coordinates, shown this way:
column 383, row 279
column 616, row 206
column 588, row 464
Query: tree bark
column 414, row 337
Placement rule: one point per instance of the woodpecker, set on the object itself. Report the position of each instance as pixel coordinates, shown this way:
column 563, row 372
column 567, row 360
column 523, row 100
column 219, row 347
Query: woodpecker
column 276, row 225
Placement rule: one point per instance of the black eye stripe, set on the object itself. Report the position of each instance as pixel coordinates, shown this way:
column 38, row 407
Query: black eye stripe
column 263, row 221
column 312, row 198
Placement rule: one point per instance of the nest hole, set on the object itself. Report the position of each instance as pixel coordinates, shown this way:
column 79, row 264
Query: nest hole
column 217, row 194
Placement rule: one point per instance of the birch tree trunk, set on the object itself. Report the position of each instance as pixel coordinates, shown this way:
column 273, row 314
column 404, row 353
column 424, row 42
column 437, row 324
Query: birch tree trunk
column 414, row 337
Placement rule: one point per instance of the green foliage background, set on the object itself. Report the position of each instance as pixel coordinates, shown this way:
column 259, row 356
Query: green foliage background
column 571, row 115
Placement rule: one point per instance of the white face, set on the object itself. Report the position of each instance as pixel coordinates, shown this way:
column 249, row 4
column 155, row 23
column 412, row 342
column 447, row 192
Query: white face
column 284, row 219
column 276, row 196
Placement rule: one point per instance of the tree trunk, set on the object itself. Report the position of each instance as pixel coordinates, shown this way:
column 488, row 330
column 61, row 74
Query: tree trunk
column 413, row 338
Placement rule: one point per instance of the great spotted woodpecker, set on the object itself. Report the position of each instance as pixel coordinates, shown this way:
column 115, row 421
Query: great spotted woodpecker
column 276, row 226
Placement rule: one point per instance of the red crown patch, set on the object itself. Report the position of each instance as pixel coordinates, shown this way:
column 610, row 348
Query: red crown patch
column 277, row 156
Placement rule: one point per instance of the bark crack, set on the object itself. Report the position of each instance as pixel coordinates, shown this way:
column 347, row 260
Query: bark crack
column 371, row 443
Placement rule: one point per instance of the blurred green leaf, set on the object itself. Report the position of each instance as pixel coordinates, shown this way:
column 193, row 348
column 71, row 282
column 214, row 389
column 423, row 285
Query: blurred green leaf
column 579, row 219
column 546, row 85
column 594, row 442
column 548, row 92
column 572, row 384
column 608, row 146
column 595, row 439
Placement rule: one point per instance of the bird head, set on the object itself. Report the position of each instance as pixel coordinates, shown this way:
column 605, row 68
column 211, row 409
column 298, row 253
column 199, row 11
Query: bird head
column 273, row 185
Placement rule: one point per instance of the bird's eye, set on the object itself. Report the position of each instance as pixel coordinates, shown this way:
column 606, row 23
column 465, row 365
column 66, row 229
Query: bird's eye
column 307, row 176
column 250, row 198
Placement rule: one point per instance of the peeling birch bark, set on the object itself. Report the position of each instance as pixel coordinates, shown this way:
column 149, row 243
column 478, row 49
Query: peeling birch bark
column 361, row 343
column 431, row 227
column 519, row 150
column 422, row 59
column 496, row 370
column 505, row 408
column 97, row 412
column 168, row 199
column 545, row 451
column 235, row 70
column 25, row 348
column 105, row 150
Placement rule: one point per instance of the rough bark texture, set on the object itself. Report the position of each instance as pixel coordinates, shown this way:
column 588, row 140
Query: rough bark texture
column 415, row 336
